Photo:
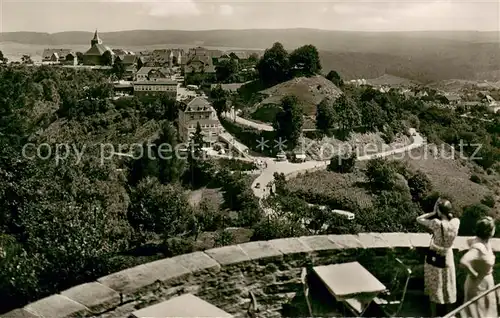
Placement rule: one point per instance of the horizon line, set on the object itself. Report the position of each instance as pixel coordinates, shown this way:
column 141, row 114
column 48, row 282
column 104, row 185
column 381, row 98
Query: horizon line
column 258, row 29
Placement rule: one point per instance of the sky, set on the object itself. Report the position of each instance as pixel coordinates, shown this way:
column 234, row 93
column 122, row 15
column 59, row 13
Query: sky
column 350, row 15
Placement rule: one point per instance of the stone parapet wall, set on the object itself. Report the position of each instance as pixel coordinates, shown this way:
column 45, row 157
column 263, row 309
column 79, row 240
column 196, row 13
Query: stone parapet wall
column 224, row 276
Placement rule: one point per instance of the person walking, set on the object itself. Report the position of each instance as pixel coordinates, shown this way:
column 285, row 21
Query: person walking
column 439, row 267
column 479, row 262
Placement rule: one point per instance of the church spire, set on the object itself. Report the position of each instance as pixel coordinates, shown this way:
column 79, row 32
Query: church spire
column 96, row 39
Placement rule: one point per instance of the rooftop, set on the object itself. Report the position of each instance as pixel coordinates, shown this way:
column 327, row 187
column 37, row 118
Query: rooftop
column 162, row 82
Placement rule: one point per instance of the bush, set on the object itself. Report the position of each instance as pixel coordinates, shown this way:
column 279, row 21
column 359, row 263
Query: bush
column 388, row 136
column 420, row 186
column 381, row 174
column 489, row 201
column 475, row 178
column 340, row 164
column 178, row 246
column 223, row 238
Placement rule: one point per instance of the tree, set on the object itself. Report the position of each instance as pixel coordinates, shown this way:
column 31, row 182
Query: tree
column 119, row 69
column 469, row 218
column 253, row 58
column 107, row 58
column 420, row 186
column 340, row 164
column 219, row 99
column 348, row 115
column 26, row 59
column 280, row 183
column 289, row 121
column 79, row 57
column 196, row 164
column 335, row 78
column 274, row 66
column 225, row 69
column 381, row 174
column 305, row 60
column 162, row 209
column 325, row 116
column 372, row 115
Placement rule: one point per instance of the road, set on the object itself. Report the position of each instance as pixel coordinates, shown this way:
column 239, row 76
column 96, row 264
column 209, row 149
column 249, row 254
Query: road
column 266, row 176
column 248, row 123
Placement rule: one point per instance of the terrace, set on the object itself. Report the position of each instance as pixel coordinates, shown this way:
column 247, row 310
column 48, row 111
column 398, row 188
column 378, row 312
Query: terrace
column 227, row 277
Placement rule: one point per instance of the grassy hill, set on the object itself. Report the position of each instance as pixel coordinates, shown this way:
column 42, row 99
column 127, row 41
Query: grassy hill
column 309, row 90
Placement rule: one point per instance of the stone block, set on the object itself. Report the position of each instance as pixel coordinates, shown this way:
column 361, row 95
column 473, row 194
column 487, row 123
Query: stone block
column 318, row 242
column 95, row 296
column 346, row 241
column 373, row 240
column 129, row 280
column 259, row 250
column 290, row 246
column 396, row 240
column 19, row 313
column 136, row 278
column 228, row 255
column 197, row 261
column 420, row 239
column 57, row 306
column 168, row 269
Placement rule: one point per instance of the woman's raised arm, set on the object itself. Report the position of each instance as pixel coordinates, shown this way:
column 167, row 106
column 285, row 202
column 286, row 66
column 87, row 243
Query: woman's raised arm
column 425, row 220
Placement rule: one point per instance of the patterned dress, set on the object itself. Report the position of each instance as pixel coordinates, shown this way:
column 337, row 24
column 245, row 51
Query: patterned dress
column 483, row 264
column 440, row 283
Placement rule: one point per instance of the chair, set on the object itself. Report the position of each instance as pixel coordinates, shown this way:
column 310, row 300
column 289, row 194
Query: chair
column 252, row 307
column 391, row 301
column 305, row 286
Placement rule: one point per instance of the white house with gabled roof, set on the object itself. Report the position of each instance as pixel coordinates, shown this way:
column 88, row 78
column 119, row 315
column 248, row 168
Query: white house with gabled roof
column 199, row 110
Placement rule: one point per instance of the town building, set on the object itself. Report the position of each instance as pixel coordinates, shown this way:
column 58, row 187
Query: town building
column 199, row 110
column 168, row 57
column 130, row 62
column 157, row 87
column 148, row 73
column 199, row 64
column 96, row 54
column 64, row 56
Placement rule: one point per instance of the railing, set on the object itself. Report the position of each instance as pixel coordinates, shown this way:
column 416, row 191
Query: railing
column 457, row 311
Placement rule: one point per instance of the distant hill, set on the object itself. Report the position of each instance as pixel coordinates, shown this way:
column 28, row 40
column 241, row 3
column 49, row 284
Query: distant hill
column 425, row 56
column 391, row 80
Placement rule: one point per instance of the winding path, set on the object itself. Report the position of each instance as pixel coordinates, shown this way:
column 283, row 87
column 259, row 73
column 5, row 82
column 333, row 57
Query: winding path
column 266, row 176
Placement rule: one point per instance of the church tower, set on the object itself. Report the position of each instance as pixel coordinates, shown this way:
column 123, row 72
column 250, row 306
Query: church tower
column 96, row 39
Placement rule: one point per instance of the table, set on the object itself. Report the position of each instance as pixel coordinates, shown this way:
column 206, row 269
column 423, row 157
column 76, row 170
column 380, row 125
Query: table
column 351, row 284
column 184, row 306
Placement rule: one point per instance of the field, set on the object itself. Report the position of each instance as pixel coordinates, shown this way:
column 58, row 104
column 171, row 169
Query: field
column 450, row 177
column 214, row 196
column 362, row 144
column 334, row 185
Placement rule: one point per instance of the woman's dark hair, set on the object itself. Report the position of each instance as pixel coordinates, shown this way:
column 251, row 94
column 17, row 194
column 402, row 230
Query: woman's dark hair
column 485, row 227
column 446, row 209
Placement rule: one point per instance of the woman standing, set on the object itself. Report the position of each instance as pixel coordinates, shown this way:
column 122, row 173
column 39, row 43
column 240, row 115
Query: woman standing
column 479, row 262
column 439, row 267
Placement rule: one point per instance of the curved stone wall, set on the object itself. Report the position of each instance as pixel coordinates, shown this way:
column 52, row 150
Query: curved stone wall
column 224, row 276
